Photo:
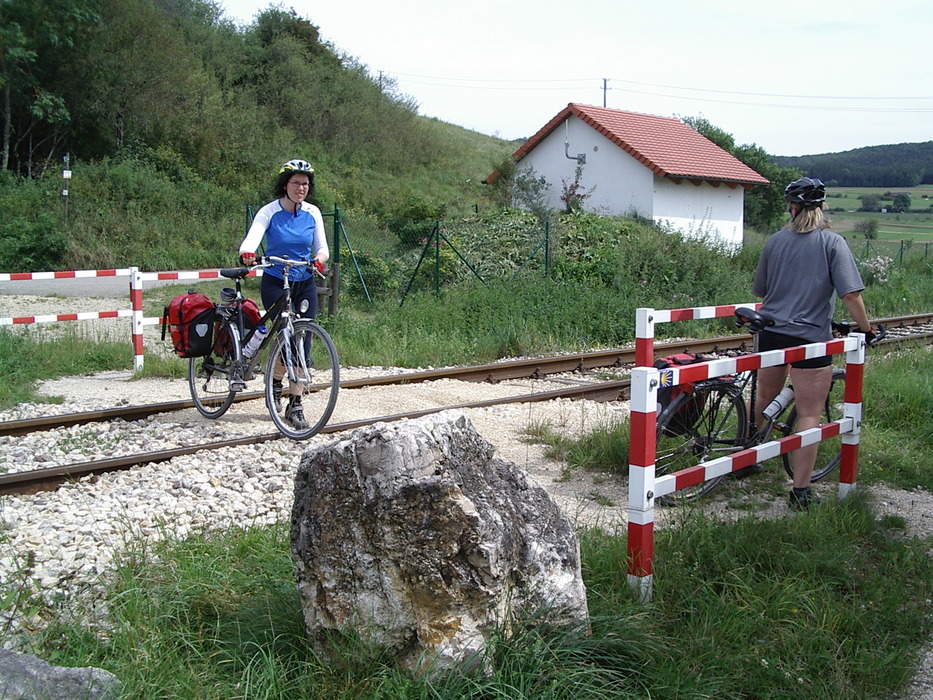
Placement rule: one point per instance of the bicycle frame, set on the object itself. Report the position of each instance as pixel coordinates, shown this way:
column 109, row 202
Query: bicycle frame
column 277, row 319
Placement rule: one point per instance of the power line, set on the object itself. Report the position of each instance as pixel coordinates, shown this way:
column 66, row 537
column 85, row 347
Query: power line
column 542, row 84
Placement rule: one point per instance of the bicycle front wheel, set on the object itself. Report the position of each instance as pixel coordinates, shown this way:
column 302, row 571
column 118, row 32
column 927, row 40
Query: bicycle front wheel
column 829, row 453
column 209, row 376
column 305, row 361
column 698, row 427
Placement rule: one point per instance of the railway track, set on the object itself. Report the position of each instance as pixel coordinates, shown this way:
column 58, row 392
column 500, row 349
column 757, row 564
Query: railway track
column 587, row 369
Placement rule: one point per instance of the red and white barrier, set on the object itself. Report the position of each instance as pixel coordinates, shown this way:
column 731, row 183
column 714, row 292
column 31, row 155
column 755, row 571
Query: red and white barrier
column 645, row 487
column 134, row 313
column 62, row 274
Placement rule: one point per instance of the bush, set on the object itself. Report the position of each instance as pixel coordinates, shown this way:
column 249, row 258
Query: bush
column 378, row 276
column 32, row 226
column 867, row 227
column 413, row 219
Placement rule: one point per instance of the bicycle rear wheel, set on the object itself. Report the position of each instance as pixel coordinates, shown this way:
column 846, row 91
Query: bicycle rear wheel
column 718, row 429
column 307, row 365
column 209, row 376
column 829, row 452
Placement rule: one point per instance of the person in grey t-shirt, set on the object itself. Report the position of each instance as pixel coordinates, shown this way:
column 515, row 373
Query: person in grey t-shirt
column 802, row 269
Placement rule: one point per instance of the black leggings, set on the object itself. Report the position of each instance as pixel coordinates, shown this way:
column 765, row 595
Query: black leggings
column 272, row 290
column 769, row 340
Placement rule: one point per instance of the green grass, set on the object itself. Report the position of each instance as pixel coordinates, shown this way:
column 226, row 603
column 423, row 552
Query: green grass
column 801, row 606
column 916, row 225
column 30, row 355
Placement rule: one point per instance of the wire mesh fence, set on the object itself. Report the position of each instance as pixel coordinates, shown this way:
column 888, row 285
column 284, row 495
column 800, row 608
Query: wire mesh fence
column 390, row 260
column 897, row 251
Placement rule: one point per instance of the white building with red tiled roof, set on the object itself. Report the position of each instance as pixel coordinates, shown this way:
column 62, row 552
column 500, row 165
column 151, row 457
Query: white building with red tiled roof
column 637, row 164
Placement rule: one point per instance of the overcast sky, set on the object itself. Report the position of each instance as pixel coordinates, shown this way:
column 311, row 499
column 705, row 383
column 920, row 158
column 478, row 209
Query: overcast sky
column 834, row 76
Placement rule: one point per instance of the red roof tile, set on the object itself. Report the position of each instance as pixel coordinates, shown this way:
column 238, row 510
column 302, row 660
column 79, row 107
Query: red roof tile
column 666, row 145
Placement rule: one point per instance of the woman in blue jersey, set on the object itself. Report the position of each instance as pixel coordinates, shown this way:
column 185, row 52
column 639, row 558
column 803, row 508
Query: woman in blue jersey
column 802, row 269
column 293, row 229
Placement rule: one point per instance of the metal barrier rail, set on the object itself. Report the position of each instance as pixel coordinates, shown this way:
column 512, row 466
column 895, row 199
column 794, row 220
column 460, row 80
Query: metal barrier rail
column 134, row 313
column 645, row 487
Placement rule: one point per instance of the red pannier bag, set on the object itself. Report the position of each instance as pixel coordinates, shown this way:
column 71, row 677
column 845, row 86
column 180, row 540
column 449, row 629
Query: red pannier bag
column 689, row 411
column 251, row 314
column 223, row 345
column 190, row 318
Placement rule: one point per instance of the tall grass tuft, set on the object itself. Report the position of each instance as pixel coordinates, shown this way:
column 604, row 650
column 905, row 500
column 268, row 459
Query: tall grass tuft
column 31, row 355
column 897, row 433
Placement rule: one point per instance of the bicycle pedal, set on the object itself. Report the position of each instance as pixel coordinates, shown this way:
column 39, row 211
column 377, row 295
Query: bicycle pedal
column 237, row 385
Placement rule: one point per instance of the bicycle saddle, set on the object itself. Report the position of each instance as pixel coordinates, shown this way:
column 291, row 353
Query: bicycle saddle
column 754, row 320
column 234, row 272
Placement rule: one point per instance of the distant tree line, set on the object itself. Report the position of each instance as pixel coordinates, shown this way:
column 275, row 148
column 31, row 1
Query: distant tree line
column 898, row 165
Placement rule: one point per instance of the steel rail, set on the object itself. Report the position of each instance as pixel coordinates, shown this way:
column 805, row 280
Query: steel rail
column 44, row 479
column 51, row 477
column 493, row 372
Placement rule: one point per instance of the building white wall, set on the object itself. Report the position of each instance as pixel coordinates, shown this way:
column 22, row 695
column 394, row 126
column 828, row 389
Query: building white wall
column 701, row 210
column 617, row 183
column 621, row 186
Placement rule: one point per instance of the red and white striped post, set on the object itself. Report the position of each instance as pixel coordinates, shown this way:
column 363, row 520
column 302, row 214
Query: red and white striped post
column 63, row 274
column 136, row 320
column 134, row 313
column 855, row 374
column 644, row 401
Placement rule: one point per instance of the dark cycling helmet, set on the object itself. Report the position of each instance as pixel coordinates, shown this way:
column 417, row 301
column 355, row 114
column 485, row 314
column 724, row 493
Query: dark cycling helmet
column 297, row 166
column 807, row 191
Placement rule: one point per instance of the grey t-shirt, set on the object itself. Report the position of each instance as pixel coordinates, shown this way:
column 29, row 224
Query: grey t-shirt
column 797, row 276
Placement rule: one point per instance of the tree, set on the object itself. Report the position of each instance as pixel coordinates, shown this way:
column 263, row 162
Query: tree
column 869, row 202
column 867, row 227
column 38, row 42
column 901, row 202
column 764, row 204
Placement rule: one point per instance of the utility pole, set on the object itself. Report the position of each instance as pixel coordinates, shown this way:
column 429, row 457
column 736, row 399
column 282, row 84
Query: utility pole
column 66, row 176
column 605, row 83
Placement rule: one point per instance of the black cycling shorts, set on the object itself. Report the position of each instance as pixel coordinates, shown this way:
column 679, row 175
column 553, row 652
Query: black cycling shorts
column 769, row 340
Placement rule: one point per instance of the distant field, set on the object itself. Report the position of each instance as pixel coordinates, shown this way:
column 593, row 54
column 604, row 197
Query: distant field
column 910, row 226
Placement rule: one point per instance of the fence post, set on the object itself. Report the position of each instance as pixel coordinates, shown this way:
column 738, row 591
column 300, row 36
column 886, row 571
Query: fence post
column 437, row 258
column 644, row 337
column 136, row 304
column 643, row 444
column 337, row 224
column 334, row 297
column 547, row 248
column 642, row 448
column 855, row 373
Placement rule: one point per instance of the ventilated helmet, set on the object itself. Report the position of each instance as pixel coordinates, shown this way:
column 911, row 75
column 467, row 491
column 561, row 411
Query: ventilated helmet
column 297, row 166
column 807, row 191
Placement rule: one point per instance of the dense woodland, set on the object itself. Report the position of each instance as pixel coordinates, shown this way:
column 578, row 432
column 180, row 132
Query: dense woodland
column 898, row 165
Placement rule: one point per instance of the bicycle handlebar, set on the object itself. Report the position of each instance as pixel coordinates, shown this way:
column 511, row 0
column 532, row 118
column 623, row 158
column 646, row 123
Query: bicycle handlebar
column 270, row 260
